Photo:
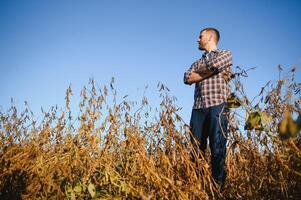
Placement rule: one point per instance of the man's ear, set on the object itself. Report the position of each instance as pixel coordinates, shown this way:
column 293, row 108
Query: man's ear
column 210, row 37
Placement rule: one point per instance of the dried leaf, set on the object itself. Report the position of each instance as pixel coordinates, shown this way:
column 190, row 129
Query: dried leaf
column 233, row 101
column 92, row 190
column 288, row 127
column 77, row 189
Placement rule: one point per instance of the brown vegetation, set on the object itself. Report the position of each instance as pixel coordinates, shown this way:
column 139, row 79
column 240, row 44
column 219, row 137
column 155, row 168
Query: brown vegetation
column 125, row 150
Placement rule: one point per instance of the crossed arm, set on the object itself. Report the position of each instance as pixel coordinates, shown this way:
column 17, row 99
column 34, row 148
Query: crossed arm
column 195, row 77
column 205, row 67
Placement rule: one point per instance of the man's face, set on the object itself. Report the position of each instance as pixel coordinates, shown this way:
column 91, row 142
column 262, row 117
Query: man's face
column 203, row 40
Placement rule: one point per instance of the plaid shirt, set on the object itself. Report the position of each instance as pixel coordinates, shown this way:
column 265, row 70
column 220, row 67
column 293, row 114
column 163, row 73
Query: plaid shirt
column 213, row 90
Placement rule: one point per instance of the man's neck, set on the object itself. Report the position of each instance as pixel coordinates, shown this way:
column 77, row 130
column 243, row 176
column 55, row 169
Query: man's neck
column 211, row 48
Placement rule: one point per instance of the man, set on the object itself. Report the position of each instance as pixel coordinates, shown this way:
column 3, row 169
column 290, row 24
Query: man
column 211, row 91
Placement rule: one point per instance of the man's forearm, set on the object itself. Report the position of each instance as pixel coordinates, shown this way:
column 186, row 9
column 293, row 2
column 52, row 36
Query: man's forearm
column 196, row 77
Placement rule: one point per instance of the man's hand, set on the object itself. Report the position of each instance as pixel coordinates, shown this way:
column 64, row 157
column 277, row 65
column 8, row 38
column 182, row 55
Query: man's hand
column 227, row 75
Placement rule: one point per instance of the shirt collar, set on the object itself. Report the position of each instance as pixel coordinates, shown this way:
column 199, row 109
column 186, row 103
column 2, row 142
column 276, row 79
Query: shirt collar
column 214, row 50
column 206, row 53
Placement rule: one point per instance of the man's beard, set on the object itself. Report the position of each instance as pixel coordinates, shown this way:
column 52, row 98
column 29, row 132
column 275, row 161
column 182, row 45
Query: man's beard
column 201, row 48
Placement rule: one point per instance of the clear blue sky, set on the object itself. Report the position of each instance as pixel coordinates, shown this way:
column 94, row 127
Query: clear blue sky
column 45, row 45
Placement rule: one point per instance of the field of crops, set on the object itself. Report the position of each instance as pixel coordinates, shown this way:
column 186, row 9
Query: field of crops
column 119, row 149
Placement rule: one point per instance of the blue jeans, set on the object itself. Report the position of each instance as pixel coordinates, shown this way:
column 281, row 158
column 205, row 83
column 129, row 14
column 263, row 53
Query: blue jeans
column 212, row 122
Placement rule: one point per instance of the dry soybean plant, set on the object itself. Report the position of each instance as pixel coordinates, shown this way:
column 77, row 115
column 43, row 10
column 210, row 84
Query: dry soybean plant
column 120, row 149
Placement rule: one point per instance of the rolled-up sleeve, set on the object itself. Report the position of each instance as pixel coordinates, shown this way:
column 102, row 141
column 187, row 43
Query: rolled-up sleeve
column 198, row 66
column 186, row 76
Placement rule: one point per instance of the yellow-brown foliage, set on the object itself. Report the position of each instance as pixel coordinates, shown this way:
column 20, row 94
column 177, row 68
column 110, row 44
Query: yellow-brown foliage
column 114, row 150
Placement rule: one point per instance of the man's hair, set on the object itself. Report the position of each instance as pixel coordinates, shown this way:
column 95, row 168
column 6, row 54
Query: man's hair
column 214, row 30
